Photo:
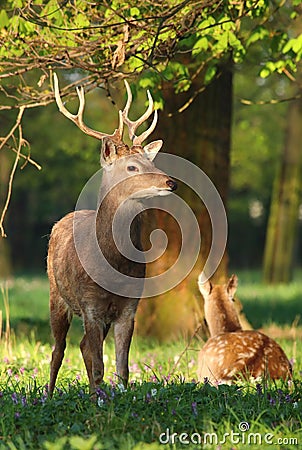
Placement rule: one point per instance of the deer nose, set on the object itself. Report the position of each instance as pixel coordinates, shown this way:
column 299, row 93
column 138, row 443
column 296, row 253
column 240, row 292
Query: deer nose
column 172, row 184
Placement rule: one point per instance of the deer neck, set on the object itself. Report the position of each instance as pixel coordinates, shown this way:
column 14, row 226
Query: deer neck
column 115, row 215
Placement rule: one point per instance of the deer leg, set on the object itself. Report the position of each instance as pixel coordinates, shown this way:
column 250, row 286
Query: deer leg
column 92, row 348
column 123, row 331
column 86, row 353
column 60, row 319
column 85, row 349
column 88, row 358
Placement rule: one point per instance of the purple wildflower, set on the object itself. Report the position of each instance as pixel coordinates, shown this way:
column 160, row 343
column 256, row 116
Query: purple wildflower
column 15, row 398
column 101, row 395
column 194, row 408
column 43, row 398
column 81, row 393
column 288, row 398
column 271, row 400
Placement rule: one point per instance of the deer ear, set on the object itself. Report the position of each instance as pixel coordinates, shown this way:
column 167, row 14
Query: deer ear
column 232, row 285
column 108, row 152
column 205, row 287
column 152, row 149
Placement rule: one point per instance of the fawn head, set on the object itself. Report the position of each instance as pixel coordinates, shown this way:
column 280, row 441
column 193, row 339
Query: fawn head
column 132, row 165
column 219, row 308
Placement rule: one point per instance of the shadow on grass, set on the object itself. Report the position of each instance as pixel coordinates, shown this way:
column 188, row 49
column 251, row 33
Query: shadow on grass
column 261, row 312
column 39, row 330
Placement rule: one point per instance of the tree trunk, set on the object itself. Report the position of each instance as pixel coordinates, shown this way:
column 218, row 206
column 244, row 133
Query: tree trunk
column 201, row 134
column 283, row 219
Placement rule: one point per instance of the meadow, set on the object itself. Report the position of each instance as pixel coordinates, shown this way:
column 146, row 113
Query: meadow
column 163, row 406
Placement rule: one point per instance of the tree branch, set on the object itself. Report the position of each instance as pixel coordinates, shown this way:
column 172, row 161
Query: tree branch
column 11, row 177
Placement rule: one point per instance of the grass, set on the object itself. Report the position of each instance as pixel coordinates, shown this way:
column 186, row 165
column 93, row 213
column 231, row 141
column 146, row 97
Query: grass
column 163, row 405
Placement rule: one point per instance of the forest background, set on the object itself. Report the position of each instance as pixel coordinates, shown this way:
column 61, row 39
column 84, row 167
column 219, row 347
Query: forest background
column 226, row 78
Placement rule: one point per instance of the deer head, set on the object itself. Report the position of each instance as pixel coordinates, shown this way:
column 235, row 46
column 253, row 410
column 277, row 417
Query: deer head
column 219, row 308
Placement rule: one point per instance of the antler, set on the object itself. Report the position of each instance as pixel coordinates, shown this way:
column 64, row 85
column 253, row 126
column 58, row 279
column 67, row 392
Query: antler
column 133, row 125
column 78, row 118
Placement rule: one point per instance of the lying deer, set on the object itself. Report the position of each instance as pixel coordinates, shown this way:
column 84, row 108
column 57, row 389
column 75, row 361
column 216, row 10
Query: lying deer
column 128, row 176
column 231, row 352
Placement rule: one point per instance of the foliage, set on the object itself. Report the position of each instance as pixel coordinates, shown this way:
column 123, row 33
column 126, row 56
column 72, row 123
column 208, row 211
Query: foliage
column 173, row 40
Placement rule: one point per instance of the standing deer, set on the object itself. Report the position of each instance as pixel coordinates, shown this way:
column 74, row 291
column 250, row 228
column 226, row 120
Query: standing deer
column 128, row 176
column 231, row 352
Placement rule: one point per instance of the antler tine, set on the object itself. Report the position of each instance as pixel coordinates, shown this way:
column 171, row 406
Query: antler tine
column 138, row 140
column 133, row 125
column 78, row 118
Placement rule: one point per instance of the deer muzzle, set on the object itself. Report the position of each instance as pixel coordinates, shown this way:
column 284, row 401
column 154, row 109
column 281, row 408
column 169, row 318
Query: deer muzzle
column 172, row 184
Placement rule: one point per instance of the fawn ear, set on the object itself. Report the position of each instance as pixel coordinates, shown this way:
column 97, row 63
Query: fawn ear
column 108, row 152
column 232, row 285
column 152, row 149
column 205, row 287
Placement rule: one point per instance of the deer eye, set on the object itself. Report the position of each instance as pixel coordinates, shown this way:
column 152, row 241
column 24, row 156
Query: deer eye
column 132, row 169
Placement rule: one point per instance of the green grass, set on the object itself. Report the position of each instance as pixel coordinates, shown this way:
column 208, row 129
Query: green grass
column 163, row 406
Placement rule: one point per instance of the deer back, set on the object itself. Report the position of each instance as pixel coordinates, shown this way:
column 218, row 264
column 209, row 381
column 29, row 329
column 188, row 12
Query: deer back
column 242, row 354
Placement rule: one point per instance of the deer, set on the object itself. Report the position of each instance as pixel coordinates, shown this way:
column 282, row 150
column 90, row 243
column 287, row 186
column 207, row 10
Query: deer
column 128, row 176
column 232, row 353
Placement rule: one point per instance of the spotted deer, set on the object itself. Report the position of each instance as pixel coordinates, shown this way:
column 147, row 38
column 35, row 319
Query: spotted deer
column 232, row 353
column 128, row 175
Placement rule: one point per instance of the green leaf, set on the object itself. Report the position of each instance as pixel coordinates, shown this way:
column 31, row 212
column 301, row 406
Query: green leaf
column 79, row 443
column 135, row 64
column 4, row 20
column 227, row 24
column 210, row 74
column 297, row 44
column 200, row 46
column 134, row 12
column 17, row 4
column 182, row 86
column 159, row 104
column 265, row 72
column 258, row 34
column 222, row 42
column 59, row 444
column 81, row 21
column 208, row 22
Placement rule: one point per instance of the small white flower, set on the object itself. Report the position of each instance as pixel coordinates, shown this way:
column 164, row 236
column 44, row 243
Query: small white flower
column 295, row 405
column 100, row 402
column 121, row 387
column 153, row 392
